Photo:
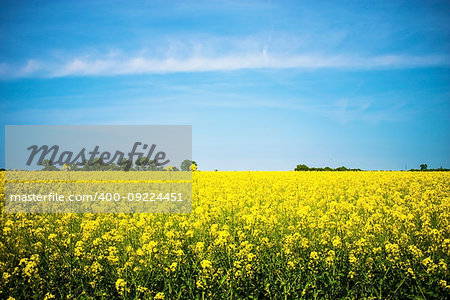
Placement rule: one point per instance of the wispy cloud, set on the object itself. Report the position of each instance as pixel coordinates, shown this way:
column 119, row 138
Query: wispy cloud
column 140, row 64
column 341, row 110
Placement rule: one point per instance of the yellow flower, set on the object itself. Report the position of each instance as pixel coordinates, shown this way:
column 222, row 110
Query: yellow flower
column 199, row 246
column 199, row 284
column 6, row 277
column 314, row 255
column 291, row 264
column 330, row 258
column 49, row 296
column 142, row 289
column 206, row 264
column 336, row 241
column 173, row 266
column 248, row 268
column 120, row 286
column 351, row 274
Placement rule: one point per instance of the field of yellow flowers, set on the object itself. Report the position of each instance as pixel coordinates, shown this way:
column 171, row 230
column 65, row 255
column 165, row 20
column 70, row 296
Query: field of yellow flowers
column 250, row 235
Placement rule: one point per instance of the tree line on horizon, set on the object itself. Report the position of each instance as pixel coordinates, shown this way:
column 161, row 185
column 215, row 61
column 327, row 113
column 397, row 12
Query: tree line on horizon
column 422, row 168
column 304, row 167
column 142, row 164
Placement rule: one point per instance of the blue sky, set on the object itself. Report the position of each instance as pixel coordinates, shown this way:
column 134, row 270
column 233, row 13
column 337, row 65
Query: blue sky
column 265, row 85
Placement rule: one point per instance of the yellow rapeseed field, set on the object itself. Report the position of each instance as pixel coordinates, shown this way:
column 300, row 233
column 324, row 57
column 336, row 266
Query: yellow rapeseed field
column 250, row 235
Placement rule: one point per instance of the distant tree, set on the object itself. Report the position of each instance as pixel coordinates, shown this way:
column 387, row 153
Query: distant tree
column 142, row 163
column 97, row 165
column 341, row 169
column 301, row 167
column 48, row 165
column 423, row 167
column 153, row 167
column 186, row 165
column 125, row 164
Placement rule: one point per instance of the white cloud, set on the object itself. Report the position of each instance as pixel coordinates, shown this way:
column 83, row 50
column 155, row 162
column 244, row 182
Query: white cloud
column 120, row 65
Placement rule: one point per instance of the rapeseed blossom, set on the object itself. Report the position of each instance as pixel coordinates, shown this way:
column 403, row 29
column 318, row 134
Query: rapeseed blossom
column 259, row 234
